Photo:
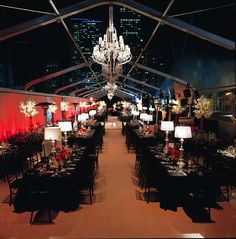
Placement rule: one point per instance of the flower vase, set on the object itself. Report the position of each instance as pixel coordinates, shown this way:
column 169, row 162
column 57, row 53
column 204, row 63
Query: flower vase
column 201, row 125
column 176, row 120
column 31, row 127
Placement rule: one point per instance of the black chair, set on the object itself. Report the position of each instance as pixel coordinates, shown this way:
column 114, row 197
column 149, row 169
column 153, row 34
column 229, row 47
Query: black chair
column 35, row 194
column 225, row 174
column 228, row 179
column 41, row 201
column 13, row 185
column 202, row 193
column 85, row 175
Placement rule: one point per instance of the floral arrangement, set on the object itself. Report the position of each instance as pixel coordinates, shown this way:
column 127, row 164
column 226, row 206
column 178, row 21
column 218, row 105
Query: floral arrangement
column 64, row 106
column 178, row 109
column 174, row 153
column 58, row 158
column 147, row 131
column 28, row 108
column 203, row 107
column 83, row 130
column 64, row 154
column 233, row 118
column 229, row 152
column 52, row 108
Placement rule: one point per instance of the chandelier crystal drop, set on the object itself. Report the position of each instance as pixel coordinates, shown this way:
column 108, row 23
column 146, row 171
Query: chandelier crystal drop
column 110, row 95
column 111, row 52
column 110, row 89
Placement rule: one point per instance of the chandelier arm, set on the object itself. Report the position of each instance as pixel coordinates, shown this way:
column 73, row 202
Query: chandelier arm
column 111, row 52
column 72, row 39
column 149, row 40
column 110, row 16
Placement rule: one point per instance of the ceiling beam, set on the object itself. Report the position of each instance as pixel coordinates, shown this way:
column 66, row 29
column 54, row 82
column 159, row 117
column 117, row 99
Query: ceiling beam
column 98, row 90
column 154, row 71
column 137, row 7
column 140, row 82
column 125, row 89
column 143, row 49
column 55, row 74
column 99, row 96
column 103, row 92
column 76, row 45
column 118, row 94
column 74, row 84
column 85, row 88
column 88, row 91
column 134, row 88
column 124, row 93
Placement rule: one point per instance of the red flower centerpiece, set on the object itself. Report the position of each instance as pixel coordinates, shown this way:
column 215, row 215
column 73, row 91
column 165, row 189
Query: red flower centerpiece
column 64, row 154
column 174, row 153
column 58, row 158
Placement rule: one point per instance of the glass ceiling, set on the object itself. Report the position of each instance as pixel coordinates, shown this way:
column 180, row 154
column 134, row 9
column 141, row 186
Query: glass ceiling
column 48, row 53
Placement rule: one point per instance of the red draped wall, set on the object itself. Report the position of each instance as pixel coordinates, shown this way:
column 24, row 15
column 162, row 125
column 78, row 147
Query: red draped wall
column 12, row 121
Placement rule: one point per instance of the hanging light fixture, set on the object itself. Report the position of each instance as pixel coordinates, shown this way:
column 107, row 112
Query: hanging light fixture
column 110, row 88
column 110, row 95
column 111, row 52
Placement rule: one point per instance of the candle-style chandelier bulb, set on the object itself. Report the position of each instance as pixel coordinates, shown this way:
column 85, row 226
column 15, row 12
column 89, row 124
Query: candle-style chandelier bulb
column 111, row 52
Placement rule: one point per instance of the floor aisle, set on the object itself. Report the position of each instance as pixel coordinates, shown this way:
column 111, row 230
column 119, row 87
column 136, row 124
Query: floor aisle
column 117, row 211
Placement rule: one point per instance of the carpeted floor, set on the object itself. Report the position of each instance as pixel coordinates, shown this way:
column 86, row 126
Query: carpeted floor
column 119, row 210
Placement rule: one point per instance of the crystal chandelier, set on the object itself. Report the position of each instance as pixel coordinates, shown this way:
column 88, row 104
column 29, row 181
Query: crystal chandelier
column 110, row 89
column 110, row 95
column 111, row 52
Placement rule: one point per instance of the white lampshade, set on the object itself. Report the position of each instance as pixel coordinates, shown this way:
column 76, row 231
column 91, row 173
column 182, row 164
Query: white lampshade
column 142, row 116
column 139, row 106
column 135, row 113
column 65, row 126
column 144, row 108
column 81, row 118
column 86, row 116
column 52, row 133
column 92, row 112
column 148, row 118
column 183, row 132
column 167, row 125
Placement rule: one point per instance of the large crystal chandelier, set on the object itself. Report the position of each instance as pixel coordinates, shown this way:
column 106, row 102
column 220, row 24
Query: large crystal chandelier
column 111, row 52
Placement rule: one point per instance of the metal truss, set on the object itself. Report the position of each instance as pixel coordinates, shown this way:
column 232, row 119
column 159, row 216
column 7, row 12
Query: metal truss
column 137, row 7
column 85, row 88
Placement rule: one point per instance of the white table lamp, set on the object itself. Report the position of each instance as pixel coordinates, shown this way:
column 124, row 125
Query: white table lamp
column 167, row 126
column 142, row 116
column 148, row 118
column 135, row 113
column 92, row 113
column 86, row 116
column 182, row 132
column 53, row 134
column 65, row 126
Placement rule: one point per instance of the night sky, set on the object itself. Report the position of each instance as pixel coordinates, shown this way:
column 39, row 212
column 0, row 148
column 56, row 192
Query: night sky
column 187, row 57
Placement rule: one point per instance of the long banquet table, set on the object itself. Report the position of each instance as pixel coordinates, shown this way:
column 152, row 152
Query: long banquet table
column 177, row 186
column 47, row 187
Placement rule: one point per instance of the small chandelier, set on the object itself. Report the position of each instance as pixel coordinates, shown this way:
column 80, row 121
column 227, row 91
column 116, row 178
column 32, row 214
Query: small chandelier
column 110, row 89
column 110, row 95
column 111, row 52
